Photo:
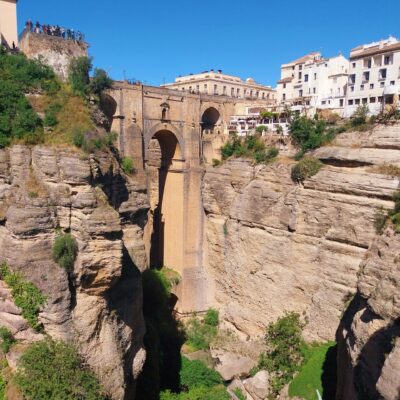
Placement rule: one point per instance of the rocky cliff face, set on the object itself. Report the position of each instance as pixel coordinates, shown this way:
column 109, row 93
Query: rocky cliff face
column 369, row 337
column 277, row 246
column 99, row 305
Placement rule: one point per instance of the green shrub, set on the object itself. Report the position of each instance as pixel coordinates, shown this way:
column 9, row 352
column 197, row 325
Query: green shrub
column 78, row 75
column 78, row 139
column 360, row 116
column 100, row 81
column 64, row 251
column 283, row 356
column 18, row 75
column 212, row 317
column 26, row 296
column 127, row 165
column 305, row 168
column 200, row 334
column 51, row 370
column 7, row 340
column 198, row 393
column 261, row 128
column 50, row 117
column 195, row 373
column 239, row 394
column 215, row 162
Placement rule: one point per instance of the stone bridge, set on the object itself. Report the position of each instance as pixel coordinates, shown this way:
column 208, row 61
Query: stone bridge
column 166, row 133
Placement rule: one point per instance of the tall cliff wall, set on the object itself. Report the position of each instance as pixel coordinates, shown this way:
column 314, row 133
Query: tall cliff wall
column 99, row 306
column 276, row 246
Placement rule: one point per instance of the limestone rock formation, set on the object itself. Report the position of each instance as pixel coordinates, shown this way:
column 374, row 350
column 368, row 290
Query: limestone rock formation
column 98, row 306
column 276, row 246
column 231, row 365
column 258, row 385
column 369, row 344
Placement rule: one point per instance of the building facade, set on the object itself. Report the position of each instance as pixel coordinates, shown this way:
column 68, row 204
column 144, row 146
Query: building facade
column 374, row 76
column 219, row 84
column 313, row 83
column 8, row 23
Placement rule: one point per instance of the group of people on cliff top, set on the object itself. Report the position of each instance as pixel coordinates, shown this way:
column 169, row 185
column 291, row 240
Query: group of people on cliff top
column 54, row 30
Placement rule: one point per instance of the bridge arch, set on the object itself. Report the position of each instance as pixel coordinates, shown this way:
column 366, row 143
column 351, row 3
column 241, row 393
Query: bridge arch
column 166, row 179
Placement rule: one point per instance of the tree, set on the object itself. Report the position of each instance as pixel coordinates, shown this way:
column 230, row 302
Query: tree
column 78, row 74
column 100, row 81
column 51, row 370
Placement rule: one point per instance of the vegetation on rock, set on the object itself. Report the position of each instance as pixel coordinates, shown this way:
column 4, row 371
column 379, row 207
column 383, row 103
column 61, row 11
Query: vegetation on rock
column 7, row 339
column 18, row 76
column 127, row 165
column 239, row 394
column 311, row 375
column 249, row 147
column 305, row 168
column 64, row 251
column 199, row 333
column 198, row 393
column 27, row 296
column 283, row 356
column 51, row 370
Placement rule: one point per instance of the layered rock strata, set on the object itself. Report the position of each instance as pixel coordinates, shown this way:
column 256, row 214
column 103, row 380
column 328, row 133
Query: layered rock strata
column 276, row 246
column 45, row 191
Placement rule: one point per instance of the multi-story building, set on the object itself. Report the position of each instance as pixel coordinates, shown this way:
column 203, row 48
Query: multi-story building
column 8, row 23
column 374, row 76
column 313, row 83
column 216, row 83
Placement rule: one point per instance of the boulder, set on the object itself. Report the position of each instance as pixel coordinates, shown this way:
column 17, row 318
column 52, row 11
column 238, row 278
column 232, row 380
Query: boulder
column 258, row 386
column 231, row 365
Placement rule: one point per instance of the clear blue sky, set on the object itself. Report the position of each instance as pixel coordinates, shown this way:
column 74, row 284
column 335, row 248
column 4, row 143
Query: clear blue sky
column 157, row 40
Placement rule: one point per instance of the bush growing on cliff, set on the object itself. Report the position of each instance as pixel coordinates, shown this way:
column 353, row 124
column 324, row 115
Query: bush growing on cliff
column 250, row 147
column 27, row 296
column 195, row 373
column 306, row 168
column 100, row 81
column 127, row 165
column 64, row 251
column 7, row 339
column 78, row 74
column 283, row 356
column 18, row 75
column 198, row 393
column 51, row 370
column 199, row 333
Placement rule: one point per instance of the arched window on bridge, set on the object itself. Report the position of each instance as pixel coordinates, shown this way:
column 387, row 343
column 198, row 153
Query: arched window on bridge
column 164, row 111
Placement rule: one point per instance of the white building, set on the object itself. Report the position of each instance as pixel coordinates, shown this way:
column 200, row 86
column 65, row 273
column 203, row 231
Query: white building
column 8, row 23
column 312, row 83
column 374, row 77
column 217, row 83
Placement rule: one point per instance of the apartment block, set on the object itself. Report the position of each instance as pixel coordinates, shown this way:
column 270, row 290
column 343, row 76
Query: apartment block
column 312, row 83
column 374, row 76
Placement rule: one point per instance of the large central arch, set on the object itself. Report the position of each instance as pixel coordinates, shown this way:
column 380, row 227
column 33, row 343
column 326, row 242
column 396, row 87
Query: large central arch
column 166, row 181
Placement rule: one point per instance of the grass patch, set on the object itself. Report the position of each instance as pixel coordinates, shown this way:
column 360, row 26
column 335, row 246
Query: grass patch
column 27, row 296
column 385, row 169
column 306, row 168
column 239, row 394
column 309, row 378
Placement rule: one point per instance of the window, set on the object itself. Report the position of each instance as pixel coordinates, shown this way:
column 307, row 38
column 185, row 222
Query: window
column 251, row 93
column 205, row 87
column 371, row 85
column 352, row 79
column 315, row 76
column 283, row 96
column 263, row 95
column 364, row 100
column 382, row 84
column 389, row 99
column 300, row 93
column 306, row 78
column 392, row 83
column 190, row 89
column 361, row 87
column 323, row 102
column 367, row 62
column 351, row 88
column 197, row 88
column 380, row 99
column 388, row 60
column 314, row 90
column 232, row 92
column 257, row 94
column 372, row 99
column 215, row 89
column 357, row 102
column 284, row 85
column 382, row 73
column 300, row 67
column 341, row 101
column 238, row 92
column 378, row 61
column 300, row 75
column 224, row 90
column 350, row 102
column 366, row 76
column 353, row 64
